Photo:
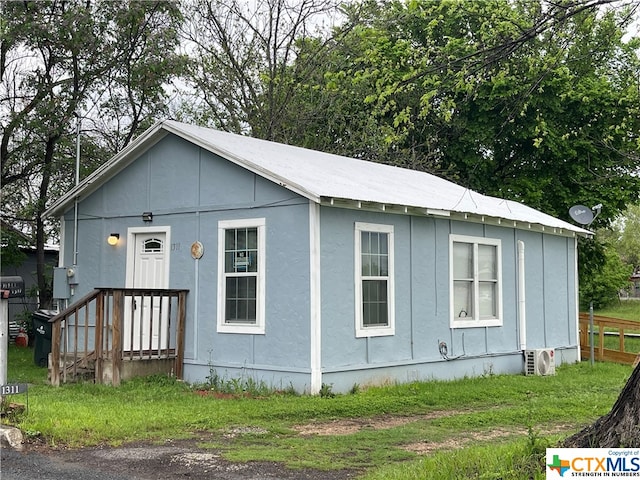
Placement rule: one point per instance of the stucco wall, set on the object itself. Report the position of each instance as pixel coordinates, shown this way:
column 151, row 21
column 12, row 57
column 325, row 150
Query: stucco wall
column 422, row 302
column 190, row 190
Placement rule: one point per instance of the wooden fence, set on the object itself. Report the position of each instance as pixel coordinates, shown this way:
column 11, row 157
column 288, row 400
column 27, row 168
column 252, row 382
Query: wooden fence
column 624, row 349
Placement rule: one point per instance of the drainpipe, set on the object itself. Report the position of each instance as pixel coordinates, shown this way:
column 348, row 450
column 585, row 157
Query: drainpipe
column 522, row 311
column 75, row 203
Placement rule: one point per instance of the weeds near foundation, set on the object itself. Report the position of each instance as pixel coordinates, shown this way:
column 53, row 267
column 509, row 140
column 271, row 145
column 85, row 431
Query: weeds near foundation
column 236, row 386
column 326, row 391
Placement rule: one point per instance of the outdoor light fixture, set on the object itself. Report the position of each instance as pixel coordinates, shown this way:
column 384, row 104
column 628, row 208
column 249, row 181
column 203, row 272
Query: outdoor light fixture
column 147, row 216
column 113, row 239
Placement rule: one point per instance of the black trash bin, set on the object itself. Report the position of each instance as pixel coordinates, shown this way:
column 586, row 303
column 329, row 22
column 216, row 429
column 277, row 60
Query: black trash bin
column 42, row 332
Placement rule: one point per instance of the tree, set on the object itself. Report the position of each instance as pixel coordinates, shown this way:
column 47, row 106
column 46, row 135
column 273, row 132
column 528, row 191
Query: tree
column 627, row 232
column 536, row 102
column 55, row 59
column 521, row 100
column 139, row 91
column 11, row 241
column 246, row 63
column 602, row 274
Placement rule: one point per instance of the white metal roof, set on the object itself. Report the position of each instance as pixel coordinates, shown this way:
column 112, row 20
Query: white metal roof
column 327, row 178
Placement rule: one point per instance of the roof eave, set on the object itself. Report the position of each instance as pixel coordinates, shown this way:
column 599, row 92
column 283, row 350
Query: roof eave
column 567, row 231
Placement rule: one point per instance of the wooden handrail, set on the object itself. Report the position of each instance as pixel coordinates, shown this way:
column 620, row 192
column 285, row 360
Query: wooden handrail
column 71, row 308
column 616, row 326
column 612, row 322
column 97, row 321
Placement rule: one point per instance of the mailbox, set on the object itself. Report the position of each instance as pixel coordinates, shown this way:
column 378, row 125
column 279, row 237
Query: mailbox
column 14, row 285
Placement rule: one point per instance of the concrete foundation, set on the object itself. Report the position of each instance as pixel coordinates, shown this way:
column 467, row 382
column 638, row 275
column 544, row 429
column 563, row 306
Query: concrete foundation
column 139, row 368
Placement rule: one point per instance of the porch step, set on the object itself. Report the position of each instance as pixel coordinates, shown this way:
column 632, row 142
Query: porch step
column 76, row 369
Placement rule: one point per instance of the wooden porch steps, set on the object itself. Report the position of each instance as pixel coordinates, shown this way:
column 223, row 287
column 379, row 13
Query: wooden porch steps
column 89, row 337
column 83, row 367
column 75, row 369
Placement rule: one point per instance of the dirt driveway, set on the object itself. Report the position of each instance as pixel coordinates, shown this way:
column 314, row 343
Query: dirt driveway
column 171, row 460
column 185, row 459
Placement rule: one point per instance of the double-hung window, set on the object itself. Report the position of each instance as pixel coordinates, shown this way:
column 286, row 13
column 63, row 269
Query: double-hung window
column 374, row 280
column 241, row 269
column 476, row 290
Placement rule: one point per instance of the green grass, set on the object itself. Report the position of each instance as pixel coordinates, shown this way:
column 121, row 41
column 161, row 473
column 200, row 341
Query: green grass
column 514, row 460
column 458, row 420
column 22, row 368
column 627, row 310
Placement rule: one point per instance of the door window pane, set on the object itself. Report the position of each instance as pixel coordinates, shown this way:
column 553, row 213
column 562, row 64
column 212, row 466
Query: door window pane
column 153, row 245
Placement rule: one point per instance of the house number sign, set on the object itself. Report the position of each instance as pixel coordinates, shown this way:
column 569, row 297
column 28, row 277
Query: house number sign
column 13, row 388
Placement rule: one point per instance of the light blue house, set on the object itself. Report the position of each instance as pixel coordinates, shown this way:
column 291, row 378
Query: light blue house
column 305, row 268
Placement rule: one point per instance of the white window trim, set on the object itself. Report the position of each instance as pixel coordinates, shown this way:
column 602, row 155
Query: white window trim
column 259, row 326
column 374, row 331
column 456, row 322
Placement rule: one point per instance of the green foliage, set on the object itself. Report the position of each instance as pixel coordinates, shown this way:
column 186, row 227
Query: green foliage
column 107, row 61
column 249, row 60
column 603, row 274
column 507, row 98
column 512, row 460
column 22, row 368
column 326, row 391
column 12, row 255
column 627, row 235
column 10, row 410
column 244, row 385
column 161, row 407
column 459, row 419
column 539, row 105
column 24, row 319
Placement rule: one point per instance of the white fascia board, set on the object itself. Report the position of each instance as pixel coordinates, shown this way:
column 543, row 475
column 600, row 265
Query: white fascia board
column 521, row 225
column 383, row 207
column 460, row 216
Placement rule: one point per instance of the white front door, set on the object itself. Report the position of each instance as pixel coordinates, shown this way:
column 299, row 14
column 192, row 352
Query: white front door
column 146, row 318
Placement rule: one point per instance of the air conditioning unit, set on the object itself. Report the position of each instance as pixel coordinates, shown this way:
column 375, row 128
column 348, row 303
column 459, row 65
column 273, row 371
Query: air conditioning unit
column 541, row 361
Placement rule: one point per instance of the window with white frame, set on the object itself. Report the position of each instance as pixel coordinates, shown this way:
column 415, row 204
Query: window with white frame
column 374, row 280
column 476, row 290
column 241, row 260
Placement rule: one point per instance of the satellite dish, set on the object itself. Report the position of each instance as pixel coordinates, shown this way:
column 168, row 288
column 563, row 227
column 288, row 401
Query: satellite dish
column 581, row 214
